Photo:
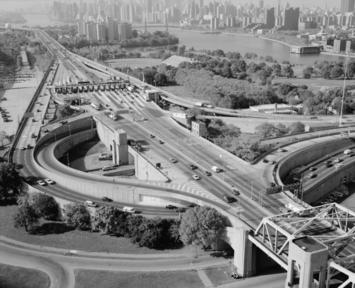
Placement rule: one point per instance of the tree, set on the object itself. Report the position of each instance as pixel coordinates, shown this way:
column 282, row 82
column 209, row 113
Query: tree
column 65, row 111
column 202, row 226
column 160, row 79
column 296, row 128
column 287, row 71
column 45, row 206
column 307, row 72
column 77, row 216
column 336, row 72
column 25, row 216
column 11, row 185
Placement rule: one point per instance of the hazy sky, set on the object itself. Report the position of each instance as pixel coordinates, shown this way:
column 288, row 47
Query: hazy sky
column 18, row 4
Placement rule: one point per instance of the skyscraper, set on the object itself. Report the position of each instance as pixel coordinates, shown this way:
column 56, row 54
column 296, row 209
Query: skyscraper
column 347, row 6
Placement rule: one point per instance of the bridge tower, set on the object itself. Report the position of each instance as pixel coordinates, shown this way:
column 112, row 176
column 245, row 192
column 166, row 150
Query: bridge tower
column 307, row 260
column 120, row 148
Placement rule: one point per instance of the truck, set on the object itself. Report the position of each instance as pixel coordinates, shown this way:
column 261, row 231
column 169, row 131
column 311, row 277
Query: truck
column 293, row 207
column 216, row 169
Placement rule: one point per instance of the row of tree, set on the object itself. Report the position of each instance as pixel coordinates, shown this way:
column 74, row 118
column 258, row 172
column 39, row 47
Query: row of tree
column 200, row 226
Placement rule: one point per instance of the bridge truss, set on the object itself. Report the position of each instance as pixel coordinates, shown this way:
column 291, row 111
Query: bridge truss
column 332, row 225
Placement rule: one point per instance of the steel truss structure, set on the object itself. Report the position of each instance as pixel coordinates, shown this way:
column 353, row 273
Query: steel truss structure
column 331, row 224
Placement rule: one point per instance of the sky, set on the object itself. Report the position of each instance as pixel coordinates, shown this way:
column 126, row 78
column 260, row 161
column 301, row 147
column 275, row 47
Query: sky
column 306, row 3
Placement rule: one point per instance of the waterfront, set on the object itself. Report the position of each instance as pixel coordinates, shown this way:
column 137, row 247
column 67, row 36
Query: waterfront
column 241, row 42
column 244, row 43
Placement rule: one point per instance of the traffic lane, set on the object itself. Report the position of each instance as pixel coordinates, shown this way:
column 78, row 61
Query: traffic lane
column 21, row 257
column 70, row 195
column 325, row 173
column 48, row 157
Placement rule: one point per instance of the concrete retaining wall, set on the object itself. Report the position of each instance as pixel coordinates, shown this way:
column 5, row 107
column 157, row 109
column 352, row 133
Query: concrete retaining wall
column 309, row 154
column 146, row 170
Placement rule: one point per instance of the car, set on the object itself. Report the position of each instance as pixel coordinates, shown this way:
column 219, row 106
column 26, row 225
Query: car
column 347, row 151
column 64, row 122
column 161, row 142
column 235, row 192
column 196, row 177
column 313, row 169
column 193, row 167
column 46, row 131
column 23, row 148
column 171, row 207
column 128, row 209
column 338, row 160
column 328, row 164
column 106, row 199
column 208, row 173
column 192, row 205
column 312, row 175
column 173, row 160
column 41, row 183
column 265, row 161
column 49, row 181
column 90, row 203
column 282, row 150
column 107, row 168
column 229, row 199
column 29, row 146
column 180, row 210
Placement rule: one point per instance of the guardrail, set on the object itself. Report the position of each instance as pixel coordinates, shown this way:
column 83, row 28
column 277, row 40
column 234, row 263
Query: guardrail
column 24, row 119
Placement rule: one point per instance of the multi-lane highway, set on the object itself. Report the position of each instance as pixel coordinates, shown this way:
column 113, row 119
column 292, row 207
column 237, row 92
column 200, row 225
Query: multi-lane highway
column 177, row 143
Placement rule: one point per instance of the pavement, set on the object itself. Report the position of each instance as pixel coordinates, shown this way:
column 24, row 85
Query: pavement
column 18, row 98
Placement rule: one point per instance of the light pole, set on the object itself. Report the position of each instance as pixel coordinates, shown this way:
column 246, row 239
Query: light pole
column 343, row 95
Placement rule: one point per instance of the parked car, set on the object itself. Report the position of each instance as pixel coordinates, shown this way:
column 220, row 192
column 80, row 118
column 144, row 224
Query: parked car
column 171, row 207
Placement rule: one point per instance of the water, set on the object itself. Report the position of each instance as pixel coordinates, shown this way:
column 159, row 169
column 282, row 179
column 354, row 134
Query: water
column 244, row 43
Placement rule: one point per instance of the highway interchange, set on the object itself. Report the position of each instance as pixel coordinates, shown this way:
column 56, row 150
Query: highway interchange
column 178, row 144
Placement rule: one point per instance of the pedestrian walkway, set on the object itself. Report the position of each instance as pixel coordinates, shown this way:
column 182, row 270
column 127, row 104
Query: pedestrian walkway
column 204, row 278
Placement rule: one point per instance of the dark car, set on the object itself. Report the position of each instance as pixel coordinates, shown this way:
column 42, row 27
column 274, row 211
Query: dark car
column 171, row 207
column 235, row 192
column 180, row 209
column 229, row 199
column 106, row 199
column 193, row 167
column 208, row 173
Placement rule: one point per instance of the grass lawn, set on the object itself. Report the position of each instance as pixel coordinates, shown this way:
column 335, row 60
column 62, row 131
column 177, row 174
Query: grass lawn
column 103, row 279
column 16, row 277
column 77, row 240
column 180, row 91
column 219, row 275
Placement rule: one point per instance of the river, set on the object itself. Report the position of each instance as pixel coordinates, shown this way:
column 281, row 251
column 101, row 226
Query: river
column 244, row 43
column 240, row 42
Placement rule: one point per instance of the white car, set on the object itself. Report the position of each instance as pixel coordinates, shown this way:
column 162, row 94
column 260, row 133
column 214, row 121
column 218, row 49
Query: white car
column 41, row 182
column 196, row 177
column 90, row 203
column 128, row 209
column 49, row 181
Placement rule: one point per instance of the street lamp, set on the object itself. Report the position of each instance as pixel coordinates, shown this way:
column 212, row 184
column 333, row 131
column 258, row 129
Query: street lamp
column 343, row 95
